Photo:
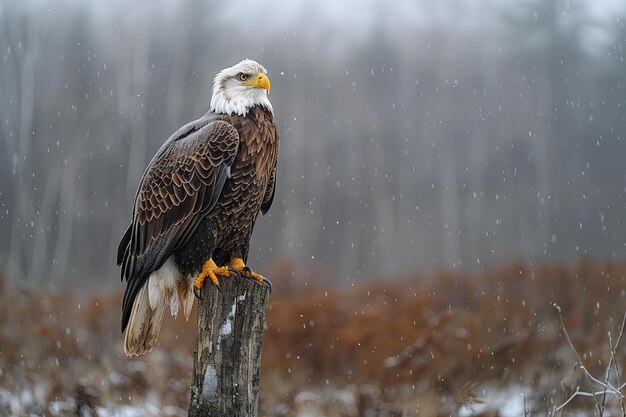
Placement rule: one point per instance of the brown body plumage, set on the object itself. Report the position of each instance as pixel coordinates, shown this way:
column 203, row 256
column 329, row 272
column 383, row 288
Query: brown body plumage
column 251, row 185
column 198, row 199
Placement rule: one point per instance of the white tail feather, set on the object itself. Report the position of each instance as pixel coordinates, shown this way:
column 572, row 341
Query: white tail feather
column 165, row 288
column 154, row 292
column 144, row 325
column 174, row 305
column 186, row 296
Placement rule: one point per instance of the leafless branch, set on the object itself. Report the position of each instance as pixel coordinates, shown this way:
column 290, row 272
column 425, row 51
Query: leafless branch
column 578, row 359
column 579, row 393
column 607, row 387
column 613, row 364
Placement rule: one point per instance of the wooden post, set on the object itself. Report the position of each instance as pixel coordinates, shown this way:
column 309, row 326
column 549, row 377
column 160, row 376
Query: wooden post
column 227, row 355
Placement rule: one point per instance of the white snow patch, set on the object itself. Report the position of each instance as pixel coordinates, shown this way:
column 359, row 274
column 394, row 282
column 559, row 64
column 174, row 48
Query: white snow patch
column 509, row 401
column 391, row 361
column 307, row 404
column 62, row 408
column 344, row 397
column 146, row 410
column 209, row 386
column 304, row 397
column 20, row 402
column 122, row 411
column 10, row 402
column 227, row 327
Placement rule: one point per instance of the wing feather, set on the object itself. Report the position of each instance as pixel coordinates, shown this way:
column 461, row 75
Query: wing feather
column 268, row 197
column 268, row 163
column 121, row 250
column 180, row 186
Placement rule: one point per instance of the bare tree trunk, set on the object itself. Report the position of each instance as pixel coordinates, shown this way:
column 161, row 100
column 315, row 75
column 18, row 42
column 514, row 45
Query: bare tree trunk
column 25, row 58
column 227, row 355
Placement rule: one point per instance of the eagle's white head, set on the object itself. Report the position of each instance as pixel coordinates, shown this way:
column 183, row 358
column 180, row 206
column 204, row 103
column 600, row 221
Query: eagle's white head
column 238, row 88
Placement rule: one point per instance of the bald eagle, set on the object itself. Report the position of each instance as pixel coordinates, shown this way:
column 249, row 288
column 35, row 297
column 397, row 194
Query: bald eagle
column 197, row 203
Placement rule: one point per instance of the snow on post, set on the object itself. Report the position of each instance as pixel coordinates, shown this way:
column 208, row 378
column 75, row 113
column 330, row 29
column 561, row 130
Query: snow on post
column 227, row 355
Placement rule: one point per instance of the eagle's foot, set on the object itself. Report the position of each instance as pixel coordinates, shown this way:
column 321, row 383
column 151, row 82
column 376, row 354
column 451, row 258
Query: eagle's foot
column 210, row 270
column 245, row 271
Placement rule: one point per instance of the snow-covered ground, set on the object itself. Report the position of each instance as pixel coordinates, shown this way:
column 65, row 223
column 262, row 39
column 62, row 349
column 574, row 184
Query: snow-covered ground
column 508, row 402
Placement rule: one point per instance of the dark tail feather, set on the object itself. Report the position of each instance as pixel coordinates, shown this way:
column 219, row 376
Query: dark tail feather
column 132, row 289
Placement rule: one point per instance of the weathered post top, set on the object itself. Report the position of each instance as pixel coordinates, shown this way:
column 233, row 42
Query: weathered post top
column 227, row 355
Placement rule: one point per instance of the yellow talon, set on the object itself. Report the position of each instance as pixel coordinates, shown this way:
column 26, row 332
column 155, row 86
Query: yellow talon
column 211, row 270
column 258, row 277
column 240, row 266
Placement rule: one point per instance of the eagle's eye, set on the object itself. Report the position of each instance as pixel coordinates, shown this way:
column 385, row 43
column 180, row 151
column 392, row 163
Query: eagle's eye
column 243, row 77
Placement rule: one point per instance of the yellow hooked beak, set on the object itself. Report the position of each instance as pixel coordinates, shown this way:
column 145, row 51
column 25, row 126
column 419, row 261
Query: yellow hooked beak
column 259, row 81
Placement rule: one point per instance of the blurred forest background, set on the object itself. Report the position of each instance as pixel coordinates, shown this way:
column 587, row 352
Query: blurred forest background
column 449, row 170
column 415, row 135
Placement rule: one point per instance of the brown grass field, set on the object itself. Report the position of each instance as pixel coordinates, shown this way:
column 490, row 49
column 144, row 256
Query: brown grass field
column 437, row 345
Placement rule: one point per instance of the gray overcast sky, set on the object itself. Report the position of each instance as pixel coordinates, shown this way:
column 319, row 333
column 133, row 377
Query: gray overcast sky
column 355, row 14
column 352, row 20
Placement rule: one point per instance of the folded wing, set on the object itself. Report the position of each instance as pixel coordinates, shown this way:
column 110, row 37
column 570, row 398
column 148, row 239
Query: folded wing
column 181, row 185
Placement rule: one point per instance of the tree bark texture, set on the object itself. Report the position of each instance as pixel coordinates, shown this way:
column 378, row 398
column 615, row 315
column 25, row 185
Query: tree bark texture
column 227, row 355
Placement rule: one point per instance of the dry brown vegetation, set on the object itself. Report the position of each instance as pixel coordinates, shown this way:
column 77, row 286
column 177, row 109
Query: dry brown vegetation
column 423, row 344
